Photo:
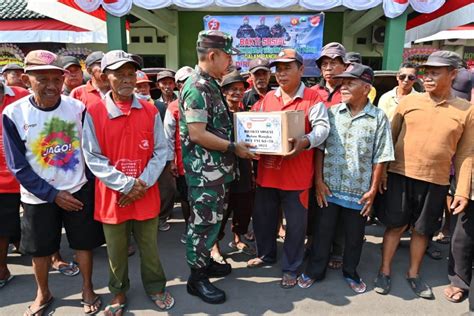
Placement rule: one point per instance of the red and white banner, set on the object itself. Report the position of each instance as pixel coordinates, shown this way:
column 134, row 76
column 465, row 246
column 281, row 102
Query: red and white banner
column 392, row 8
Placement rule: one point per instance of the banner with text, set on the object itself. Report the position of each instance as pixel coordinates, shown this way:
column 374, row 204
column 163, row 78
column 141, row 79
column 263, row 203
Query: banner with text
column 265, row 35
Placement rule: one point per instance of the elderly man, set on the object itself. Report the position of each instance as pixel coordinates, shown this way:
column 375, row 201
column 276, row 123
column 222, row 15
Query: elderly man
column 42, row 139
column 209, row 159
column 406, row 77
column 260, row 74
column 285, row 181
column 165, row 82
column 348, row 175
column 96, row 88
column 175, row 158
column 74, row 76
column 125, row 148
column 418, row 180
column 12, row 75
column 331, row 62
column 9, row 191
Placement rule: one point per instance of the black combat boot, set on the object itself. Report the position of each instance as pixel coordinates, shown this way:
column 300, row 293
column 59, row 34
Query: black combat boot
column 217, row 270
column 199, row 285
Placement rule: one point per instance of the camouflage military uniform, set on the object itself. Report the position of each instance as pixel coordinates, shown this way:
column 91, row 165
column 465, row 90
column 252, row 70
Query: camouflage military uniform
column 207, row 172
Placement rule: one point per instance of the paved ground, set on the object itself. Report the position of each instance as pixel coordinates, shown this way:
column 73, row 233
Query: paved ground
column 250, row 291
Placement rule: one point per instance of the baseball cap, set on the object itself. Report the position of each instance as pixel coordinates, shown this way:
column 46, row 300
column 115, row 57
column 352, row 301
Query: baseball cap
column 42, row 60
column 332, row 50
column 462, row 84
column 358, row 71
column 142, row 77
column 216, row 39
column 287, row 55
column 443, row 58
column 354, row 57
column 233, row 77
column 165, row 74
column 259, row 64
column 67, row 61
column 94, row 57
column 115, row 59
column 11, row 66
column 183, row 73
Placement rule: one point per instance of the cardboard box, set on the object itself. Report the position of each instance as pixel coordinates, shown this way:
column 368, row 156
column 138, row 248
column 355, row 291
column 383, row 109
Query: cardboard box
column 269, row 131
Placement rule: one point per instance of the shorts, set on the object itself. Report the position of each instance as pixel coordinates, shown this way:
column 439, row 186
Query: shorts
column 10, row 216
column 413, row 202
column 42, row 225
column 182, row 187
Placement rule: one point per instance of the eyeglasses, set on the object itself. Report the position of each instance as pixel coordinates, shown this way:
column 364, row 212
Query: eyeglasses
column 403, row 77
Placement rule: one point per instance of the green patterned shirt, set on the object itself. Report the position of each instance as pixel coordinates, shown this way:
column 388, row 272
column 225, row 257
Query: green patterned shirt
column 201, row 101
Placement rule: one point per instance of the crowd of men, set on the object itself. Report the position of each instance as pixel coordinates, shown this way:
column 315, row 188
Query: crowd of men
column 104, row 160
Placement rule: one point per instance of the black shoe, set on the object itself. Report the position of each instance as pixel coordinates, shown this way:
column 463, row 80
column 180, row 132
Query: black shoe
column 218, row 270
column 199, row 285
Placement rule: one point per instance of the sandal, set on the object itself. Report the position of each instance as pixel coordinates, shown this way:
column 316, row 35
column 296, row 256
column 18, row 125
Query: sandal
column 248, row 250
column 335, row 263
column 356, row 286
column 163, row 301
column 40, row 310
column 219, row 259
column 288, row 281
column 454, row 294
column 442, row 238
column 71, row 269
column 305, row 281
column 113, row 309
column 420, row 288
column 92, row 304
column 5, row 281
column 383, row 283
column 257, row 263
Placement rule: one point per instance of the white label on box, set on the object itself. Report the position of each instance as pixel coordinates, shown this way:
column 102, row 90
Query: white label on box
column 264, row 132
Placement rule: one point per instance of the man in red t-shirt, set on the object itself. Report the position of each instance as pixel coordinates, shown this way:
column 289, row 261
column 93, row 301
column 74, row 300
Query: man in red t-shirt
column 9, row 190
column 285, row 181
column 125, row 148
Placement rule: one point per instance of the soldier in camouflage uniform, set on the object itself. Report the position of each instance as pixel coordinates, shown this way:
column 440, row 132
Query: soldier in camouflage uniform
column 208, row 157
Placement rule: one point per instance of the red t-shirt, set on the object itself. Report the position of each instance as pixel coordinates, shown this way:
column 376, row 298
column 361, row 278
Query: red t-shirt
column 128, row 142
column 279, row 172
column 87, row 93
column 8, row 183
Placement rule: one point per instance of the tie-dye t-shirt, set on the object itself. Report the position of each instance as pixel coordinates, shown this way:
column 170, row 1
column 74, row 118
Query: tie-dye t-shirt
column 52, row 140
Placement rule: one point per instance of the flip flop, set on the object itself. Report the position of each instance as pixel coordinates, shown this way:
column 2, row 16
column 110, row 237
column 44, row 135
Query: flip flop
column 42, row 308
column 358, row 287
column 257, row 263
column 248, row 250
column 114, row 308
column 4, row 282
column 162, row 298
column 71, row 269
column 454, row 292
column 90, row 304
column 288, row 281
column 442, row 239
column 305, row 281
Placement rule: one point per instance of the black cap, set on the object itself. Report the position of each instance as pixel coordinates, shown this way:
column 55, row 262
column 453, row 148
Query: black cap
column 354, row 57
column 443, row 58
column 233, row 77
column 462, row 84
column 259, row 64
column 165, row 74
column 66, row 61
column 358, row 71
column 94, row 57
column 11, row 66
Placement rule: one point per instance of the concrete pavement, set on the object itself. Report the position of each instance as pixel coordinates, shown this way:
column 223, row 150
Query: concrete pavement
column 249, row 291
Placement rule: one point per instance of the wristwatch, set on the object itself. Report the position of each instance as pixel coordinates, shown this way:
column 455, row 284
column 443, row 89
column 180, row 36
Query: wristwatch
column 231, row 147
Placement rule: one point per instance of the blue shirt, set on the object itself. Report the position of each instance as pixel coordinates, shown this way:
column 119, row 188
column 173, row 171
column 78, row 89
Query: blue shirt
column 354, row 145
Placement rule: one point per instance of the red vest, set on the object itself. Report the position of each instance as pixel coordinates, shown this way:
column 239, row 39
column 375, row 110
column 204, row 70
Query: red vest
column 128, row 142
column 8, row 183
column 295, row 173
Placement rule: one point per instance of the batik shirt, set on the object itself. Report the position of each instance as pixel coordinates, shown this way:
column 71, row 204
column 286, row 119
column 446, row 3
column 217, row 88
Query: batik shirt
column 202, row 102
column 354, row 145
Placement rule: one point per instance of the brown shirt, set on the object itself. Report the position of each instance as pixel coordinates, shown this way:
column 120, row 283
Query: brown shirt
column 426, row 135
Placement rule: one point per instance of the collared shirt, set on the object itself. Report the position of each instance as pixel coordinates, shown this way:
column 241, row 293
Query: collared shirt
column 426, row 136
column 354, row 145
column 329, row 98
column 88, row 94
column 251, row 97
column 388, row 102
column 201, row 101
column 173, row 98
